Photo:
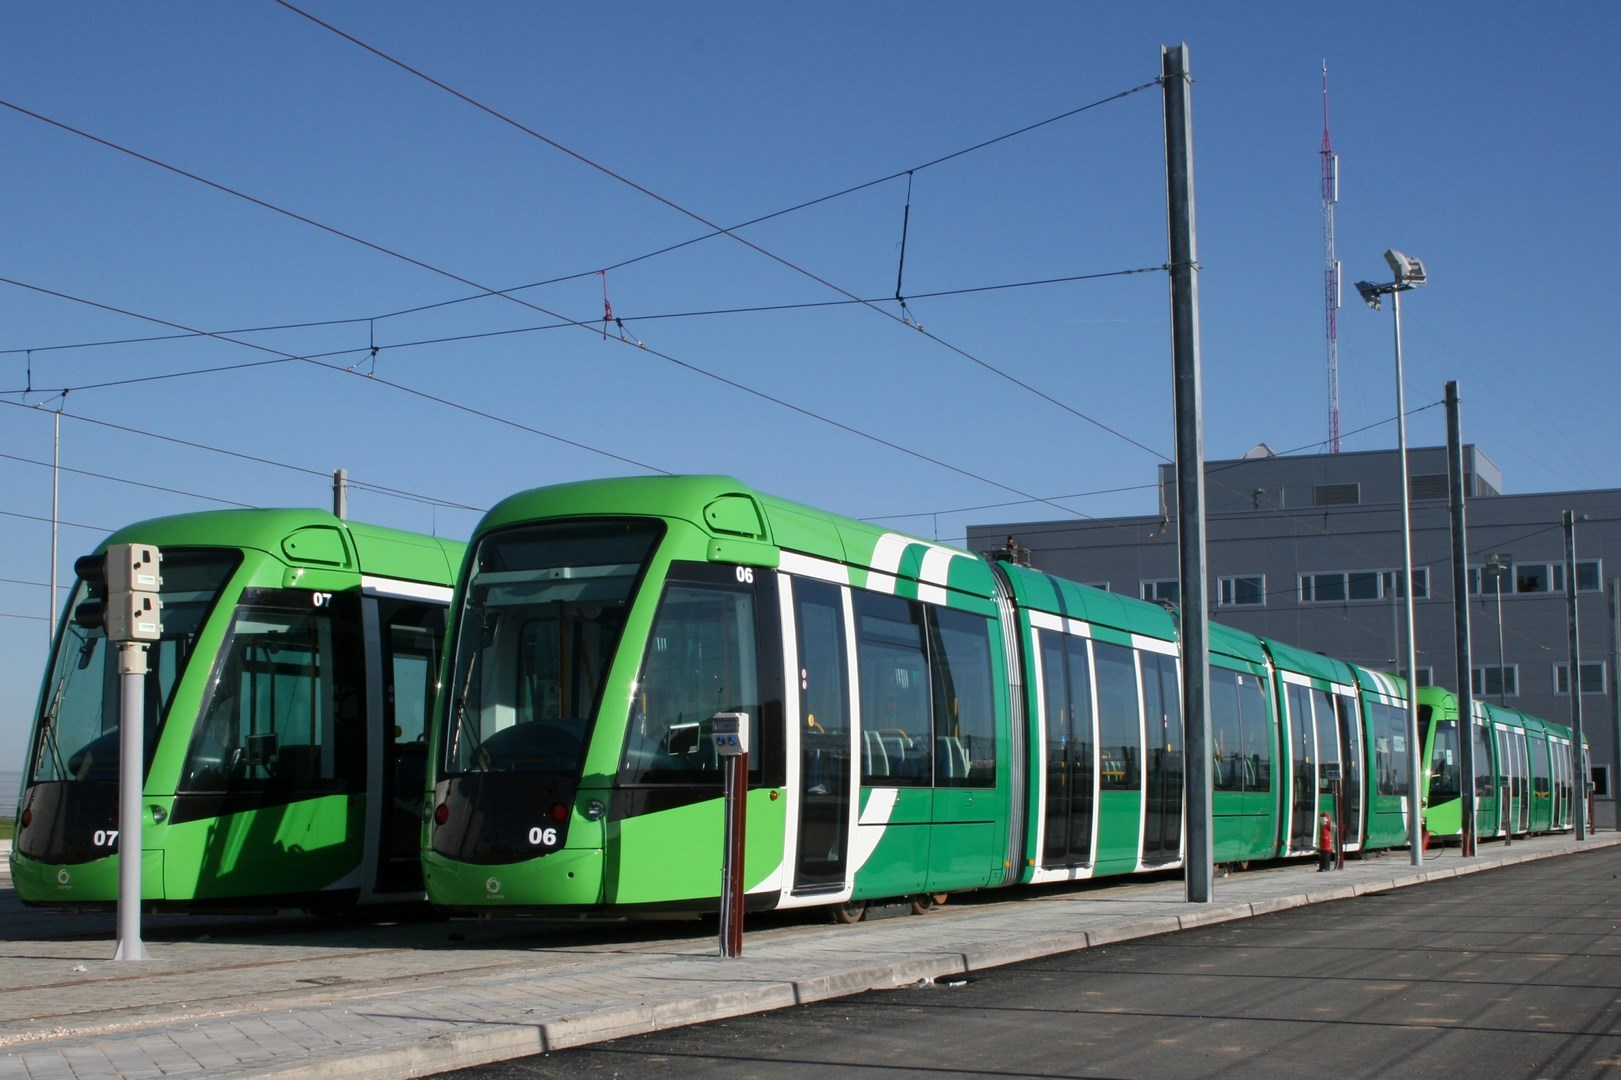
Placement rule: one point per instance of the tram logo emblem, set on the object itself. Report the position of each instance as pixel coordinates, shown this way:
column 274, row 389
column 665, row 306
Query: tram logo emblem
column 63, row 877
column 492, row 885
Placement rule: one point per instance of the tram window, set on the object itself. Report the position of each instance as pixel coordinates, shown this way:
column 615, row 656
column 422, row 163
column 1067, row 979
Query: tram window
column 965, row 704
column 542, row 618
column 1257, row 731
column 823, row 696
column 77, row 732
column 1445, row 781
column 412, row 635
column 1328, row 740
column 1390, row 748
column 1303, row 729
column 1541, row 784
column 702, row 658
column 896, row 710
column 1119, row 718
column 1232, row 764
column 284, row 709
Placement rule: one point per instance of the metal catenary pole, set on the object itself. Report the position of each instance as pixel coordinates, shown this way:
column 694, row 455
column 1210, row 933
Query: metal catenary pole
column 1176, row 82
column 1578, row 770
column 1615, row 701
column 1460, row 613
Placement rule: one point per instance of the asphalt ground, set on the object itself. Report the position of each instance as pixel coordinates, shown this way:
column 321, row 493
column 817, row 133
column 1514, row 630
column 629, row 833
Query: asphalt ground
column 297, row 999
column 1512, row 975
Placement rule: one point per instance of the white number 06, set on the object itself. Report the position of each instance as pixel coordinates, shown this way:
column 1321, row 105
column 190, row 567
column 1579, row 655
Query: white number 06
column 540, row 837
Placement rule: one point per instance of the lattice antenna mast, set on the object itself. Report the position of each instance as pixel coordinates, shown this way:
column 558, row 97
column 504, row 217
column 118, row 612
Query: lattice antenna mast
column 1331, row 275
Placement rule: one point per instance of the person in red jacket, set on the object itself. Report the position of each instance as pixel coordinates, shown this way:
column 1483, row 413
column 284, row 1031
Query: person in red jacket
column 1325, row 844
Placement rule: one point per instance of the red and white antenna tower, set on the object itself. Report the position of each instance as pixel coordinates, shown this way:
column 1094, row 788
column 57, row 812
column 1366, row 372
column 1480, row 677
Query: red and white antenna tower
column 1331, row 275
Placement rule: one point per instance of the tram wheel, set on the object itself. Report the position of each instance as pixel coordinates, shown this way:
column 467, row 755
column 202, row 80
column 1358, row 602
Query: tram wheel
column 851, row 911
column 923, row 904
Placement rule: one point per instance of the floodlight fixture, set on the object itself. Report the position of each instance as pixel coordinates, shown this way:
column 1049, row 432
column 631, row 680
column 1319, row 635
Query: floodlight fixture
column 1371, row 293
column 1409, row 271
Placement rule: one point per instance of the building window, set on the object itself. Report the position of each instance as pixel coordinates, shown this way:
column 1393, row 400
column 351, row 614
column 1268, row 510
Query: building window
column 1343, row 586
column 1422, row 486
column 1493, row 681
column 1601, row 781
column 1166, row 590
column 1337, row 495
column 1101, row 586
column 1537, row 577
column 1241, row 591
column 1390, row 583
column 1593, row 678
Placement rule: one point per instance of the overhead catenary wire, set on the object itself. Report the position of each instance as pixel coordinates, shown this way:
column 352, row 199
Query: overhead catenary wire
column 583, row 324
column 388, row 251
column 561, row 324
column 509, row 295
column 734, row 234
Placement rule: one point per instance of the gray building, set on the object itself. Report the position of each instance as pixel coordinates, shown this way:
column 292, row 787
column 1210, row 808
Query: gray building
column 1307, row 550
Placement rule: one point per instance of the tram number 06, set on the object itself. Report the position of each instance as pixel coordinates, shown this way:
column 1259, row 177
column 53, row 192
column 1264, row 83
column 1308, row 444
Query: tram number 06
column 542, row 837
column 105, row 838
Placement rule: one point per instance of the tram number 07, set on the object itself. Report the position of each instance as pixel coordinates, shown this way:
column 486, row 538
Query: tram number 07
column 105, row 838
column 542, row 837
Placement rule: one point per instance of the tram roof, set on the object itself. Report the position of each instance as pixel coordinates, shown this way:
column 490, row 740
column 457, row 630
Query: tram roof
column 304, row 536
column 749, row 525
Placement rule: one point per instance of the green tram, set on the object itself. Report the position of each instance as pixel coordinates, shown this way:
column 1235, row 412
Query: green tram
column 1524, row 777
column 285, row 709
column 923, row 720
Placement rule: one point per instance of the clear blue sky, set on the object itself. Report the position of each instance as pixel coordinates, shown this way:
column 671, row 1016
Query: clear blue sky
column 1479, row 138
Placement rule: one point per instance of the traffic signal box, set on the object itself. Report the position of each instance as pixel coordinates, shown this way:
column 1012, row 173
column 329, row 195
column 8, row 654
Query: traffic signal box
column 123, row 592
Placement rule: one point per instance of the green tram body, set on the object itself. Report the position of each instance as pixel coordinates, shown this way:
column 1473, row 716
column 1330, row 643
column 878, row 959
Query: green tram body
column 285, row 709
column 1524, row 775
column 923, row 720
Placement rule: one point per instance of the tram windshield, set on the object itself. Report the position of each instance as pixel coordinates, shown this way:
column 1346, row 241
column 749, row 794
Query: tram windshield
column 542, row 615
column 1445, row 781
column 76, row 731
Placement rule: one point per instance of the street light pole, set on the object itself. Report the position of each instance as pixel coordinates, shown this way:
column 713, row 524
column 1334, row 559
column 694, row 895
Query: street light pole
column 1409, row 275
column 1415, row 767
column 1502, row 670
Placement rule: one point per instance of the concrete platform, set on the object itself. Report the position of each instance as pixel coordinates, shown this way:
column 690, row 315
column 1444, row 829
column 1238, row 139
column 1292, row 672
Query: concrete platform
column 294, row 998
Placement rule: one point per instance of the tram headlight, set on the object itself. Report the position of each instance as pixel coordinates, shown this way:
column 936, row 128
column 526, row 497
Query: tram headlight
column 595, row 809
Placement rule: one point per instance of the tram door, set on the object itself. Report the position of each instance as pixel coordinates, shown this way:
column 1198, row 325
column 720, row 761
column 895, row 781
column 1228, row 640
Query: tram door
column 1505, row 784
column 1522, row 779
column 1350, row 770
column 410, row 634
column 825, row 777
column 1162, row 807
column 1485, row 794
column 1302, row 770
column 1071, row 740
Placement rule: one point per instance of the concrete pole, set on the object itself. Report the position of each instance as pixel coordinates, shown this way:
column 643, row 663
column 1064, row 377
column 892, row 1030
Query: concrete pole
column 1175, row 80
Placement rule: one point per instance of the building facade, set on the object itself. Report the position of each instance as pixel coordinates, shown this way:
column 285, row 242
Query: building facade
column 1307, row 550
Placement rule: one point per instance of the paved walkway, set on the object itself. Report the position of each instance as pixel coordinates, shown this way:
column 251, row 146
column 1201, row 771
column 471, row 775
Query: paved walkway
column 294, row 999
